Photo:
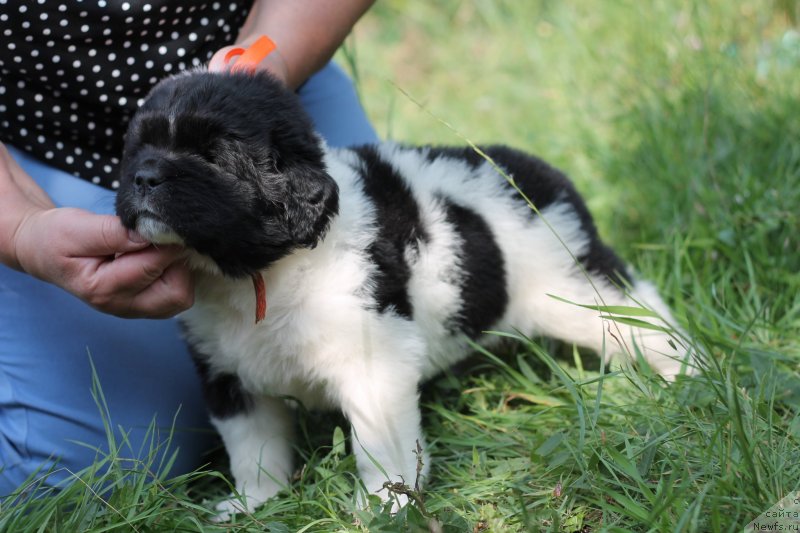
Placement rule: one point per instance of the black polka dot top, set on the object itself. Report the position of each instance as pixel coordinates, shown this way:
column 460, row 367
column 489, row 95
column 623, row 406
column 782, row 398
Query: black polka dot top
column 72, row 72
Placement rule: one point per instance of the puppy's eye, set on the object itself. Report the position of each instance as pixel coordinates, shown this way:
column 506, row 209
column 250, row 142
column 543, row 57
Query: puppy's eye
column 192, row 132
column 208, row 156
column 316, row 197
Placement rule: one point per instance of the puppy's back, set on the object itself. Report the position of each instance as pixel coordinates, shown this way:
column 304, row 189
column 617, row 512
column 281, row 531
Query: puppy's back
column 459, row 250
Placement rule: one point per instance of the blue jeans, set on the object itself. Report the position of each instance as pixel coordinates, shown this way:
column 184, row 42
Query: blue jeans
column 50, row 342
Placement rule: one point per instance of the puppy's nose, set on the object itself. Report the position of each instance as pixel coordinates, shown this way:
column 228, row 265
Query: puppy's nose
column 146, row 180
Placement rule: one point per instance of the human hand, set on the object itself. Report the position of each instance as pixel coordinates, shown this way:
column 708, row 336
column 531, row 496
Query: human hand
column 274, row 63
column 92, row 256
column 95, row 258
column 307, row 33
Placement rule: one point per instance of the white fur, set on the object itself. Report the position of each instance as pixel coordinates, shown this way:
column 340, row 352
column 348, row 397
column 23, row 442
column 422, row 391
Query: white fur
column 321, row 344
column 156, row 231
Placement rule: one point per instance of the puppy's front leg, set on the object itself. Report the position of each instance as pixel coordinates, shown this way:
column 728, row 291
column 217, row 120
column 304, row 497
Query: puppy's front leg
column 383, row 410
column 258, row 441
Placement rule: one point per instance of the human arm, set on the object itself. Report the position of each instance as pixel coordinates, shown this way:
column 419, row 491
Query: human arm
column 91, row 256
column 306, row 32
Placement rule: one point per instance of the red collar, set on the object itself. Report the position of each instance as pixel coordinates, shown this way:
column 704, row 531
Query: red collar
column 261, row 296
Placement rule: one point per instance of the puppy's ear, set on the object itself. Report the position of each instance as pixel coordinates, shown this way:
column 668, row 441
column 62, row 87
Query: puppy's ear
column 312, row 201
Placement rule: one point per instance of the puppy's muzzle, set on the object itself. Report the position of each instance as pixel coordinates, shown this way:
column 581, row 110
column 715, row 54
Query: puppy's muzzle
column 146, row 180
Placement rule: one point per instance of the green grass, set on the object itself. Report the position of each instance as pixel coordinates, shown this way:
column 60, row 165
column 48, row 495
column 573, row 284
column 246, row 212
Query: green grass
column 680, row 123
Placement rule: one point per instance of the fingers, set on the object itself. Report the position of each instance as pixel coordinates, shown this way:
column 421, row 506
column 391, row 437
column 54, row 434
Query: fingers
column 217, row 62
column 153, row 283
column 274, row 63
column 169, row 295
column 112, row 269
column 140, row 269
column 100, row 235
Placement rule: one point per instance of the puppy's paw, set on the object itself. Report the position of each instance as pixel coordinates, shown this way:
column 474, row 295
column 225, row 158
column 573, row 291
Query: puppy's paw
column 247, row 500
column 398, row 502
column 398, row 494
column 670, row 366
column 236, row 504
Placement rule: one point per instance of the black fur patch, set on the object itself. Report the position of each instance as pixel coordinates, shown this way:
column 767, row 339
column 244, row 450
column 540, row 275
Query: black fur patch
column 399, row 227
column 156, row 130
column 483, row 287
column 461, row 153
column 545, row 185
column 223, row 393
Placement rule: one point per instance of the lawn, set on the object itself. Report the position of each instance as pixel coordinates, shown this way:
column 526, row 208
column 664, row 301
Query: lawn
column 680, row 123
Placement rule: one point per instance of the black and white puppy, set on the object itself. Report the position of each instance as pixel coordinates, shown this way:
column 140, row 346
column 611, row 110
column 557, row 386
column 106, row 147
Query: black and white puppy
column 380, row 262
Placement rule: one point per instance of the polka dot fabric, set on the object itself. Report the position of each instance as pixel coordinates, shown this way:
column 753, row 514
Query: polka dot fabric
column 73, row 72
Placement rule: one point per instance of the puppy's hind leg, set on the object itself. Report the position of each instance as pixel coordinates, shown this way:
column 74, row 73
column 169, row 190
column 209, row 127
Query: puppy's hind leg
column 665, row 347
column 596, row 285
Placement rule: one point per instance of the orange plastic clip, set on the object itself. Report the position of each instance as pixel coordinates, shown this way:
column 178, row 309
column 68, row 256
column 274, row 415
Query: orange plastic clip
column 251, row 56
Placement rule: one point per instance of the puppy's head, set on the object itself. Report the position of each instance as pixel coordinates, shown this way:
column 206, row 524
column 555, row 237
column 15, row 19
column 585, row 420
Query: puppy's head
column 228, row 165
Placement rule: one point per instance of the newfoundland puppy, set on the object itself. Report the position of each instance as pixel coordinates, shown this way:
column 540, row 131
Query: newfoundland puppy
column 343, row 278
